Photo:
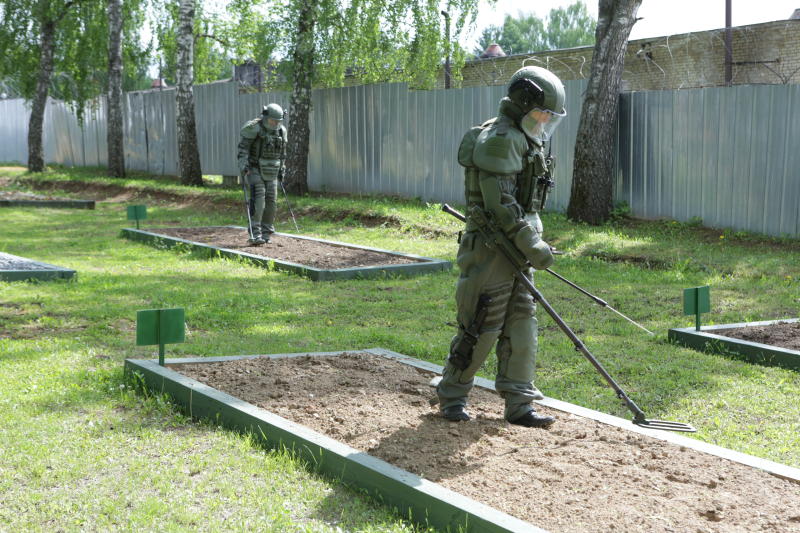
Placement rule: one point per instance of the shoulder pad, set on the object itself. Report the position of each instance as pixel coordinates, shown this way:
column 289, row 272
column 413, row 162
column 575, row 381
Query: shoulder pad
column 500, row 153
column 250, row 129
column 284, row 134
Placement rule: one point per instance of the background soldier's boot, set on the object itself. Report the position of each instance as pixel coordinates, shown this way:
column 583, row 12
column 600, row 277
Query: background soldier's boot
column 455, row 413
column 532, row 419
column 266, row 232
column 255, row 231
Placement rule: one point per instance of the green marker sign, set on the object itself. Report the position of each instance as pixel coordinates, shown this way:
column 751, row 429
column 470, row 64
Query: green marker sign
column 696, row 300
column 160, row 326
column 137, row 213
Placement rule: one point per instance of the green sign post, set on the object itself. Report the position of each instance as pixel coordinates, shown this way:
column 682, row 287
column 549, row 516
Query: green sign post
column 137, row 213
column 160, row 326
column 695, row 301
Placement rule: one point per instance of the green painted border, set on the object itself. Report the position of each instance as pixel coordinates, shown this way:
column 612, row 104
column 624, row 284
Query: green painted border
column 49, row 273
column 706, row 340
column 67, row 204
column 426, row 265
column 425, row 502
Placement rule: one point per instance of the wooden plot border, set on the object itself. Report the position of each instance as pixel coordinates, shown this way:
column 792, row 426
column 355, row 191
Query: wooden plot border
column 421, row 265
column 764, row 354
column 424, row 501
column 43, row 271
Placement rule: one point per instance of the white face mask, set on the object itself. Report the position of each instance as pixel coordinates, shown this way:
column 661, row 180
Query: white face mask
column 539, row 124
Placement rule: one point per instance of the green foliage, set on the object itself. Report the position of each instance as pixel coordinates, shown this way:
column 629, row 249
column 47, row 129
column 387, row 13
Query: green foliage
column 563, row 28
column 80, row 70
column 375, row 40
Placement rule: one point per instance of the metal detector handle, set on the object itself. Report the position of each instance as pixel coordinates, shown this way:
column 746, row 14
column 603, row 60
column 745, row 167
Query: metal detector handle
column 638, row 413
column 247, row 205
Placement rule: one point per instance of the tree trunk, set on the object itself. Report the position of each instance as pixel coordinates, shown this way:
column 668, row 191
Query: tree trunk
column 36, row 122
column 116, row 155
column 591, row 198
column 188, row 154
column 302, row 77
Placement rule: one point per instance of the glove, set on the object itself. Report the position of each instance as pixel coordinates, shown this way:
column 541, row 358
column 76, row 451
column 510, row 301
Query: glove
column 533, row 248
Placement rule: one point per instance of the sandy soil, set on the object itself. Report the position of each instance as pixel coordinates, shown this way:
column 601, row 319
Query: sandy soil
column 579, row 475
column 782, row 334
column 302, row 251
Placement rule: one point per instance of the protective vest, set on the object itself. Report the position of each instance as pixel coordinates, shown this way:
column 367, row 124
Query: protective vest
column 261, row 148
column 499, row 148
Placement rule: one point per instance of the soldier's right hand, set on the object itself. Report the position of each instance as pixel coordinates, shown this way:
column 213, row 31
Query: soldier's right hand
column 535, row 250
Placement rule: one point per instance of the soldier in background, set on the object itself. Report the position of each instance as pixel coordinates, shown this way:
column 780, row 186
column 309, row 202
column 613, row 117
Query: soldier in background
column 262, row 156
column 505, row 170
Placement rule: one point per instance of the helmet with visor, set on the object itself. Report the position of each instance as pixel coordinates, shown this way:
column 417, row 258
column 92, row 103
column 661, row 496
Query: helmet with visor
column 540, row 95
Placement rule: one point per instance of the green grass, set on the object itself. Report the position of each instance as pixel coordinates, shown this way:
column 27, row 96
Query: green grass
column 80, row 450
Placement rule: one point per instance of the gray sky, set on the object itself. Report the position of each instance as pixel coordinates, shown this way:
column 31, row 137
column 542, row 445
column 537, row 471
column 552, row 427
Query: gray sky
column 659, row 17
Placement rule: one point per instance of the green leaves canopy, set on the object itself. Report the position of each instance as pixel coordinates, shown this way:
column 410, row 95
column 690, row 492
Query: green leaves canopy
column 563, row 28
column 81, row 46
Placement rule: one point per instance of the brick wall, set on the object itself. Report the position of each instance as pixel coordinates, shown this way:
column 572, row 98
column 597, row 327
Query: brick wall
column 762, row 53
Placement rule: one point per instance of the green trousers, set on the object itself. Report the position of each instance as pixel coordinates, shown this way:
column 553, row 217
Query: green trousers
column 263, row 198
column 510, row 324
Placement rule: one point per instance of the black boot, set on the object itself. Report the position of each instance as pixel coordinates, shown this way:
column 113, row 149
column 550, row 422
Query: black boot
column 455, row 413
column 532, row 419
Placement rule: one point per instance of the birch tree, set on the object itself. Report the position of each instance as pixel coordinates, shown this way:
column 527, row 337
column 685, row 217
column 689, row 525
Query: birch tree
column 58, row 48
column 376, row 40
column 188, row 152
column 591, row 199
column 116, row 155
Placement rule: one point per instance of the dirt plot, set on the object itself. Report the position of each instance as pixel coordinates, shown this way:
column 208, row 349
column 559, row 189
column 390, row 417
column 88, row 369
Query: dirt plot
column 302, row 251
column 781, row 334
column 24, row 196
column 579, row 475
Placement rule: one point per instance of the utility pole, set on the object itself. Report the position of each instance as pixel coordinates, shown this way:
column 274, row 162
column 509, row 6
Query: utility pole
column 728, row 45
column 446, row 16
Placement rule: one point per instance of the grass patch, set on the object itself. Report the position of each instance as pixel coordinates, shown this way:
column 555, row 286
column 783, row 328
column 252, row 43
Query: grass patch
column 80, row 450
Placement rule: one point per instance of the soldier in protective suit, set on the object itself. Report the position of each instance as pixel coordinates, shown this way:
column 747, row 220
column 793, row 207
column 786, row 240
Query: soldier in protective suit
column 262, row 156
column 504, row 161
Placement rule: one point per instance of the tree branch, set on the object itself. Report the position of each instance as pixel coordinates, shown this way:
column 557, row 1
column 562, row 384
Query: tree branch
column 223, row 42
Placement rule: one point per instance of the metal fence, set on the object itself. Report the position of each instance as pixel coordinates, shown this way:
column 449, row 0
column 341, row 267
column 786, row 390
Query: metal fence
column 726, row 155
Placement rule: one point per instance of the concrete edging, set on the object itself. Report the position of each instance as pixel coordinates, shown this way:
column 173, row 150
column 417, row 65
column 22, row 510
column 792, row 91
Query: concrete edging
column 45, row 272
column 764, row 354
column 422, row 500
column 425, row 265
column 67, row 204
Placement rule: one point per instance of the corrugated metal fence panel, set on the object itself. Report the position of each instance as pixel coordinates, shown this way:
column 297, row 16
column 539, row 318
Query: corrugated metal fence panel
column 135, row 131
column 564, row 145
column 14, row 131
column 155, row 131
column 389, row 140
column 724, row 155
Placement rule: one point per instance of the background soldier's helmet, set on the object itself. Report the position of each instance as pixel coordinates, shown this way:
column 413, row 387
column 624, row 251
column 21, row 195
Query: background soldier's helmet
column 540, row 95
column 273, row 111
